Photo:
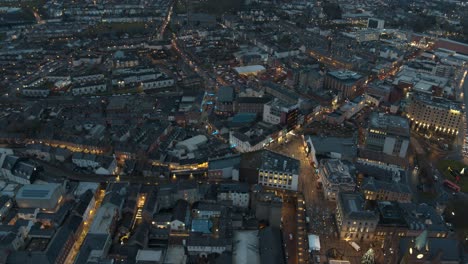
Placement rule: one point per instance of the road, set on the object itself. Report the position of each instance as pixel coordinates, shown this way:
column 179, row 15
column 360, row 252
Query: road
column 289, row 227
column 84, row 231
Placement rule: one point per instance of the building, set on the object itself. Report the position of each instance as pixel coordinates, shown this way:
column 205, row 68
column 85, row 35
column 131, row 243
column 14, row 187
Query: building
column 388, row 134
column 343, row 148
column 350, row 108
column 161, row 81
column 347, row 83
column 94, row 248
column 41, row 91
column 180, row 216
column 200, row 245
column 225, row 104
column 278, row 112
column 375, row 23
column 251, row 104
column 224, row 168
column 278, row 171
column 429, row 250
column 246, row 250
column 6, row 203
column 206, row 210
column 105, row 220
column 435, row 114
column 335, row 177
column 308, row 78
column 379, row 90
column 250, row 139
column 386, row 191
column 267, row 207
column 44, row 196
column 238, row 193
column 89, row 88
column 354, row 220
column 271, row 250
column 282, row 93
column 249, row 70
column 17, row 169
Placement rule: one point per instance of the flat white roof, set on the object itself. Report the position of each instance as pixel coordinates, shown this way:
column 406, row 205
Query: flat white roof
column 245, row 248
column 314, row 242
column 37, row 191
column 249, row 69
column 336, row 261
column 149, row 255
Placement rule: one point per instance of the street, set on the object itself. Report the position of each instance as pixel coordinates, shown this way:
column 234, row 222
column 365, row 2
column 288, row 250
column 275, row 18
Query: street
column 319, row 211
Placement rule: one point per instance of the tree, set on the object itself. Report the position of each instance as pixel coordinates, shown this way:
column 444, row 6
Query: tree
column 422, row 23
column 332, row 10
column 368, row 257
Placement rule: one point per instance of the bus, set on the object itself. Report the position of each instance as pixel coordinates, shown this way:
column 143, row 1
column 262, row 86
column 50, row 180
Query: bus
column 355, row 246
column 452, row 186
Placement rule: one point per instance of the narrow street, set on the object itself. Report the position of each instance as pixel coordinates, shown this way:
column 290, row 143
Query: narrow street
column 84, row 231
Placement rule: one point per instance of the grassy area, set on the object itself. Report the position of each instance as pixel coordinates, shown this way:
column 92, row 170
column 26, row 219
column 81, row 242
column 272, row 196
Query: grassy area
column 443, row 166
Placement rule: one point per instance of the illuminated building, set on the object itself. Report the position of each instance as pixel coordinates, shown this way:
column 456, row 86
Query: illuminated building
column 354, row 220
column 436, row 114
column 278, row 112
column 335, row 177
column 278, row 171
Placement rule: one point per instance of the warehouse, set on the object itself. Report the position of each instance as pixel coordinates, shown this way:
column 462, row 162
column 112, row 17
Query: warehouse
column 44, row 196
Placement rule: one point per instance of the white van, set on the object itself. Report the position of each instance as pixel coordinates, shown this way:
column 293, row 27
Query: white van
column 355, row 246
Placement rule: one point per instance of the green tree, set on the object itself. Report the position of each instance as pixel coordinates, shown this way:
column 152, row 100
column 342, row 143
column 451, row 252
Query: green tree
column 332, row 10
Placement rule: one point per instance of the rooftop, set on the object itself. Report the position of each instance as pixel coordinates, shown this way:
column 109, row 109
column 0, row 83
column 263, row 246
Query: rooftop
column 438, row 102
column 277, row 162
column 37, row 191
column 347, row 76
column 390, row 124
column 336, row 171
column 226, row 94
column 353, row 205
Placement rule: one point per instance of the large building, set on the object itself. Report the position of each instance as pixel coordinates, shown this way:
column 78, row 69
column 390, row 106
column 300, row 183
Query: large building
column 277, row 112
column 335, row 177
column 238, row 193
column 347, row 83
column 354, row 220
column 278, row 171
column 386, row 191
column 434, row 113
column 308, row 78
column 44, row 196
column 251, row 104
column 225, row 102
column 388, row 134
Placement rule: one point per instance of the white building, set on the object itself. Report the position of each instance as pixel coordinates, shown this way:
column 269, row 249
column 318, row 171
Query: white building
column 44, row 196
column 88, row 78
column 161, row 82
column 35, row 91
column 238, row 193
column 278, row 171
column 277, row 112
column 89, row 88
column 84, row 160
column 249, row 141
column 388, row 134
